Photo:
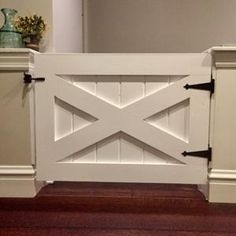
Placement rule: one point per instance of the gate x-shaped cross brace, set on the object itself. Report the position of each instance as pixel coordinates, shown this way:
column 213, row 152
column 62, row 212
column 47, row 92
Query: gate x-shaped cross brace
column 129, row 119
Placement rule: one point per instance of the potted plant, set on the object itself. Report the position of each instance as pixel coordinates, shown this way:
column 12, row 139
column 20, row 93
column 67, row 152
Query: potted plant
column 32, row 29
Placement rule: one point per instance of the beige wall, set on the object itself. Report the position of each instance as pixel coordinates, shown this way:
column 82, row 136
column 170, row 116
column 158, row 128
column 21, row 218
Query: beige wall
column 159, row 25
column 28, row 7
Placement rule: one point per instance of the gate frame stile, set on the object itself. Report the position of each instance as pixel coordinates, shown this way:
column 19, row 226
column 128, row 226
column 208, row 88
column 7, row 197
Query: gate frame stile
column 196, row 66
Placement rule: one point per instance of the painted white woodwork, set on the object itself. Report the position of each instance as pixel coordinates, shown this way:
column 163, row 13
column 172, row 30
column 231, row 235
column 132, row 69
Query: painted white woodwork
column 108, row 89
column 108, row 150
column 18, row 181
column 121, row 117
column 16, row 59
column 19, row 187
column 63, row 120
column 222, row 175
column 16, row 170
column 17, row 149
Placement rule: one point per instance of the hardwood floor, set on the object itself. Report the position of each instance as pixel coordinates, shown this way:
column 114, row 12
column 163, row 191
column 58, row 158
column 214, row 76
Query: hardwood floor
column 116, row 209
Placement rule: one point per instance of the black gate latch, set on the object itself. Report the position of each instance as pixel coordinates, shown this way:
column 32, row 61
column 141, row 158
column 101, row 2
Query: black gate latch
column 28, row 79
column 202, row 154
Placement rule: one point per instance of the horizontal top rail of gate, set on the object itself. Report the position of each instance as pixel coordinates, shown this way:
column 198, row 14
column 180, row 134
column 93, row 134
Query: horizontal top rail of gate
column 127, row 64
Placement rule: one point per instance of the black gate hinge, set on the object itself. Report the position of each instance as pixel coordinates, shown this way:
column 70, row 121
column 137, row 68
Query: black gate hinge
column 28, row 79
column 210, row 86
column 202, row 154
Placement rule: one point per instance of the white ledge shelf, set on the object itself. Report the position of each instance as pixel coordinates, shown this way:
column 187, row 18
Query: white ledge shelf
column 224, row 56
column 224, row 48
column 16, row 59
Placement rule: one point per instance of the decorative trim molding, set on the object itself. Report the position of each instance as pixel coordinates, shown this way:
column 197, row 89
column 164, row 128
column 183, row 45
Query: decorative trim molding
column 224, row 56
column 216, row 174
column 19, row 186
column 228, row 48
column 222, row 191
column 16, row 59
column 222, row 186
column 19, row 181
column 17, row 170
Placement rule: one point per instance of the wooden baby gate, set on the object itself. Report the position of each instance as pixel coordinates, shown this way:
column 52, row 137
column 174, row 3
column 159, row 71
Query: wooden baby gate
column 122, row 117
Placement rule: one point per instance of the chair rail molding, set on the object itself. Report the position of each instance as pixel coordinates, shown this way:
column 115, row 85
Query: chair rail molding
column 222, row 174
column 17, row 152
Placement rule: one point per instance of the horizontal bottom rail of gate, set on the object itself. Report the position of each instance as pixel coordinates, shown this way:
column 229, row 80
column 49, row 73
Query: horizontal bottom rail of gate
column 125, row 173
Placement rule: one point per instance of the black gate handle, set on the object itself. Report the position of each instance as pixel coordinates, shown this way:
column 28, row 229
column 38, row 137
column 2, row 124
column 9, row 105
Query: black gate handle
column 28, row 79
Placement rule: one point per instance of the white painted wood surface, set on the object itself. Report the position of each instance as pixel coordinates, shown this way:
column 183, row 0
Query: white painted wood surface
column 121, row 117
column 17, row 154
column 222, row 175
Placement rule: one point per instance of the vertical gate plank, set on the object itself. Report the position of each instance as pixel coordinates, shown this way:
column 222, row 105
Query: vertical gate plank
column 132, row 89
column 63, row 120
column 85, row 82
column 178, row 119
column 131, row 150
column 108, row 150
column 108, row 88
column 86, row 156
column 155, row 83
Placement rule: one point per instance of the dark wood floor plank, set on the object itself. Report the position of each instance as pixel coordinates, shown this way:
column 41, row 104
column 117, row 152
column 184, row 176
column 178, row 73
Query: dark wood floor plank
column 122, row 190
column 97, row 232
column 116, row 209
column 118, row 221
column 106, row 204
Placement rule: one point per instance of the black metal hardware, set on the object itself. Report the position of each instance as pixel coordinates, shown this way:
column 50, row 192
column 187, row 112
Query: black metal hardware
column 202, row 154
column 205, row 86
column 28, row 79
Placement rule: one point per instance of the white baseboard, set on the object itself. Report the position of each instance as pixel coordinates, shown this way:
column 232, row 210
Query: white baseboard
column 18, row 181
column 222, row 186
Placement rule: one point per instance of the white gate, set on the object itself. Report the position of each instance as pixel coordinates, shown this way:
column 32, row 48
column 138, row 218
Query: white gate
column 121, row 117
